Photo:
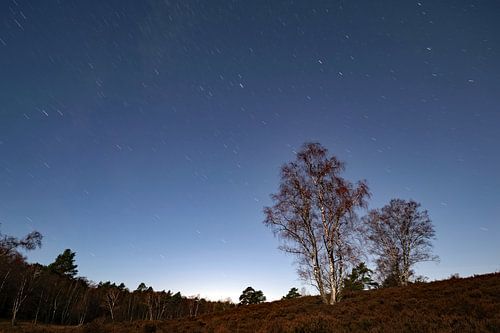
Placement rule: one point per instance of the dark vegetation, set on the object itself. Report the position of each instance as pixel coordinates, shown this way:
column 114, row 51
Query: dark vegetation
column 454, row 305
column 252, row 296
column 293, row 293
column 53, row 294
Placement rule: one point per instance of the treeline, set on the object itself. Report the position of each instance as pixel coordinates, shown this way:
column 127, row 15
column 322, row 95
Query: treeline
column 53, row 294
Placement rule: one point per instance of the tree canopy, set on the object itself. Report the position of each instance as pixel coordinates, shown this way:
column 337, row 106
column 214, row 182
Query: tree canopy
column 360, row 278
column 9, row 245
column 252, row 296
column 65, row 264
column 293, row 293
column 400, row 236
column 314, row 214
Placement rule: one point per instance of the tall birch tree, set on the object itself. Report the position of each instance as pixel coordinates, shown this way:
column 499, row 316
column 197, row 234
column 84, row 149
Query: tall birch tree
column 314, row 214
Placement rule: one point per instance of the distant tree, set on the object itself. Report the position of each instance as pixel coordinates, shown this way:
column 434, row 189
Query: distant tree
column 36, row 294
column 360, row 278
column 400, row 236
column 420, row 279
column 142, row 287
column 314, row 213
column 251, row 296
column 65, row 264
column 9, row 244
column 112, row 295
column 293, row 293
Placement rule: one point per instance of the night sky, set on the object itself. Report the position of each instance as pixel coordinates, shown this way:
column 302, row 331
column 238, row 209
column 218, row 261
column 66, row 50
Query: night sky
column 147, row 135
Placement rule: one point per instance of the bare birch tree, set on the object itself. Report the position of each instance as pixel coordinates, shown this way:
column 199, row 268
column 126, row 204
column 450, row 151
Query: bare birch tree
column 26, row 285
column 400, row 236
column 314, row 214
column 112, row 296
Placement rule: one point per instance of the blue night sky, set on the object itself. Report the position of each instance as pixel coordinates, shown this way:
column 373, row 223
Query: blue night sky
column 147, row 135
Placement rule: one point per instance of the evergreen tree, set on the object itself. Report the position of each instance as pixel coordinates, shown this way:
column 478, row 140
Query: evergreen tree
column 65, row 264
column 360, row 278
column 251, row 296
column 142, row 287
column 293, row 293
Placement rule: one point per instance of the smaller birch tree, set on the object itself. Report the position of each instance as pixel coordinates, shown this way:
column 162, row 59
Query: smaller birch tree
column 400, row 236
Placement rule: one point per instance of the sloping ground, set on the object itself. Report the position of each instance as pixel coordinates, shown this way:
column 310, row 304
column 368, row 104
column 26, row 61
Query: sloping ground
column 456, row 305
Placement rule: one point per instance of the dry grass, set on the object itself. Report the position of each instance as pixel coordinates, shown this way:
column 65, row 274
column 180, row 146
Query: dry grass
column 455, row 305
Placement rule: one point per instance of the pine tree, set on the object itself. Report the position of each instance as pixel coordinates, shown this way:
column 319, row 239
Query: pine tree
column 251, row 296
column 360, row 278
column 65, row 264
column 293, row 293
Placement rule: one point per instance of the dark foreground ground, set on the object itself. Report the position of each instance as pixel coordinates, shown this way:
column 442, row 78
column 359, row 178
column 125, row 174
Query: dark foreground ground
column 455, row 305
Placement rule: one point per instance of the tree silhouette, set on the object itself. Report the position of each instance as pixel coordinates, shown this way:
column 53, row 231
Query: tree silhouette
column 360, row 278
column 293, row 293
column 251, row 296
column 400, row 236
column 9, row 245
column 65, row 264
column 142, row 287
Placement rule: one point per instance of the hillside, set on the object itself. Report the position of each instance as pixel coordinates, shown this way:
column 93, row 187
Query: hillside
column 455, row 305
